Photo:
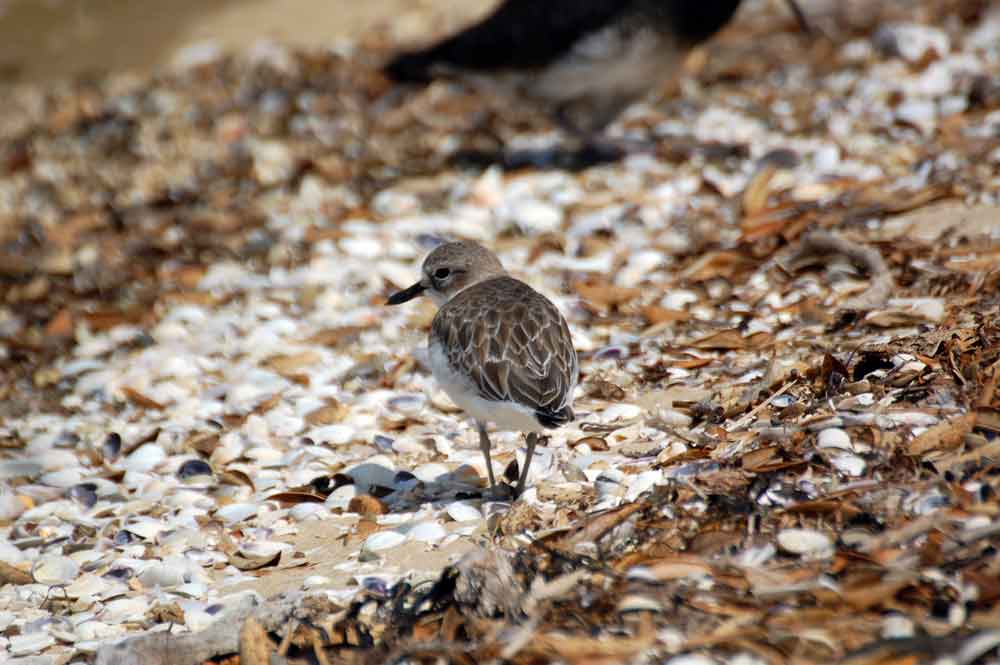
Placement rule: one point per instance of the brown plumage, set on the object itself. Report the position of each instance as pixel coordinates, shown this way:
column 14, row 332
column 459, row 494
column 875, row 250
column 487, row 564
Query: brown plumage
column 513, row 343
column 501, row 350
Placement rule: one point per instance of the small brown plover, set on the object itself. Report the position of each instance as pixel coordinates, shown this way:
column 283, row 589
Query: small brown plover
column 498, row 348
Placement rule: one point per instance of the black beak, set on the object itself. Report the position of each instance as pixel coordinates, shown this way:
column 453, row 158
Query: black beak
column 406, row 294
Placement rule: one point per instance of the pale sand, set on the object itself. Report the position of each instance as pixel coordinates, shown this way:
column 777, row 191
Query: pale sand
column 46, row 39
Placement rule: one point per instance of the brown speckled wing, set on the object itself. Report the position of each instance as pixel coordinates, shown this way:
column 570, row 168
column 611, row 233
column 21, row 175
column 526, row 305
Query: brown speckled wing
column 513, row 343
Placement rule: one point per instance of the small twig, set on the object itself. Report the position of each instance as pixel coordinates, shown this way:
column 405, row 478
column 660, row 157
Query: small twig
column 746, row 419
column 823, row 244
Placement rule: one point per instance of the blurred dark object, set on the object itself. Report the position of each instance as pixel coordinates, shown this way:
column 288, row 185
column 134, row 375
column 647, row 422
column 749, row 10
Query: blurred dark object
column 582, row 62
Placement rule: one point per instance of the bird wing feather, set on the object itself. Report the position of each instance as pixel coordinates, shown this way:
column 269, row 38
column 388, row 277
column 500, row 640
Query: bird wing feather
column 516, row 350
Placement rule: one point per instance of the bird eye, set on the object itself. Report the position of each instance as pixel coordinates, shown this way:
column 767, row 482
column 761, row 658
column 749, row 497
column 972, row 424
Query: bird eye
column 441, row 273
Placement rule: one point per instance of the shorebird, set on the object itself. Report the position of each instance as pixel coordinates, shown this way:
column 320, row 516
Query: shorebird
column 498, row 348
column 584, row 61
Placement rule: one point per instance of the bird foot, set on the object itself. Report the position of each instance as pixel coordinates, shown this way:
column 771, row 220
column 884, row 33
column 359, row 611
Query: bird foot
column 501, row 492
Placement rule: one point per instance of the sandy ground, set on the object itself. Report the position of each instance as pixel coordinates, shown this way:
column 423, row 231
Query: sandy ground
column 326, row 556
column 56, row 38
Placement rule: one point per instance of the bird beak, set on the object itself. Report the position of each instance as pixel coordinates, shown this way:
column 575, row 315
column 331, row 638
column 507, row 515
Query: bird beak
column 406, row 294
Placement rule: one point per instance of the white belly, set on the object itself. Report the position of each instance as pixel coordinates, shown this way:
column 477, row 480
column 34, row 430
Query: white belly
column 460, row 388
column 610, row 63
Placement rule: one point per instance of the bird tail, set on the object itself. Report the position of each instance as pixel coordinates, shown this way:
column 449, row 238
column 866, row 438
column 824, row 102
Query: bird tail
column 552, row 418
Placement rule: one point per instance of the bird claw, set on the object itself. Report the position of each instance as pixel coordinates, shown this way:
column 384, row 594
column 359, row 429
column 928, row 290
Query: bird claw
column 501, row 492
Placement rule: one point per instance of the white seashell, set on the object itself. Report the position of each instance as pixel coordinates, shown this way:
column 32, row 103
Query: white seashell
column 636, row 603
column 365, row 248
column 161, row 575
column 639, row 266
column 462, row 511
column 191, row 590
column 146, row 528
column 534, row 215
column 145, row 458
column 377, row 470
column 97, row 630
column 88, row 586
column 335, row 435
column 10, row 507
column 856, row 401
column 189, row 498
column 308, row 511
column 643, row 483
column 913, row 418
column 264, row 549
column 64, row 478
column 410, row 405
column 431, row 472
column 55, row 460
column 927, row 502
column 124, row 609
column 912, row 41
column 976, row 522
column 896, row 626
column 316, row 582
column 618, row 412
column 264, row 455
column 848, row 463
column 273, row 162
column 19, row 469
column 237, row 512
column 805, row 542
column 616, row 476
column 55, row 569
column 341, row 497
column 252, row 556
column 427, row 532
column 834, row 437
column 679, row 299
column 197, row 619
column 30, row 644
column 228, row 451
column 196, row 54
column 383, row 540
column 673, row 418
column 922, row 114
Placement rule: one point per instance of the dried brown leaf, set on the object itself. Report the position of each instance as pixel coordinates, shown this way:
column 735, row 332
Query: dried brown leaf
column 294, row 498
column 605, row 294
column 944, row 436
column 141, row 400
column 235, row 477
column 255, row 647
column 367, row 505
column 332, row 412
column 11, row 575
column 725, row 340
column 285, row 364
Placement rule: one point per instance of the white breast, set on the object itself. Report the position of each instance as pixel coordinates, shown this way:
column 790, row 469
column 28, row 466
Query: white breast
column 464, row 392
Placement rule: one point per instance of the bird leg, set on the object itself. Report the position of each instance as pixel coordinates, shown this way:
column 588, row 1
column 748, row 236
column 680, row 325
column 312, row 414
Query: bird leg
column 532, row 439
column 484, row 445
column 800, row 17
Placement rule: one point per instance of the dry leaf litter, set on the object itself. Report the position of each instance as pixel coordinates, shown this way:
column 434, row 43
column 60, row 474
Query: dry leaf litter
column 787, row 425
